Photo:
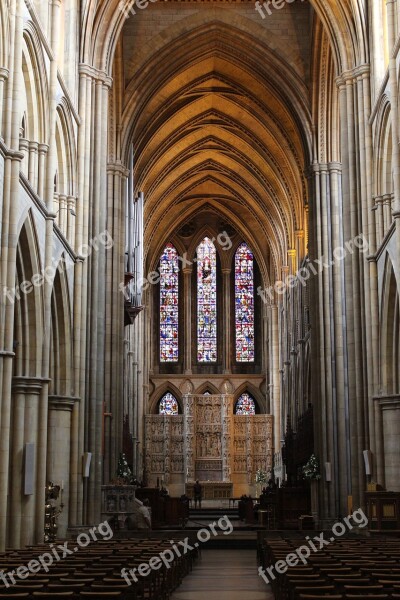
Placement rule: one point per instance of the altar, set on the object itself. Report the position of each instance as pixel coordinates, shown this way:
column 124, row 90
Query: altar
column 209, row 443
column 211, row 490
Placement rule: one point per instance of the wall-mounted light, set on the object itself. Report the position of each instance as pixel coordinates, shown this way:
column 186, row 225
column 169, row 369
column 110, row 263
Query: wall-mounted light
column 328, row 471
column 368, row 461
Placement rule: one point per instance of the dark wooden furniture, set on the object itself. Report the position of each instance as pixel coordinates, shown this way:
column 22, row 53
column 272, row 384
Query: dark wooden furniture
column 292, row 503
column 383, row 510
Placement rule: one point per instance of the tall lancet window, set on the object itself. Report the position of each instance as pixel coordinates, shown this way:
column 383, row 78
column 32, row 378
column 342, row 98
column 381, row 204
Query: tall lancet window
column 169, row 309
column 206, row 302
column 244, row 304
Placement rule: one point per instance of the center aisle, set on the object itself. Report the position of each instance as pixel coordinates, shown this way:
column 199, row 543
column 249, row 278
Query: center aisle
column 224, row 575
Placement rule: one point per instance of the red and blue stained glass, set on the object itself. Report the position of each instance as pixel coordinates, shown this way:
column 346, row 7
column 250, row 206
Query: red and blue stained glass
column 244, row 304
column 168, row 405
column 169, row 310
column 206, row 302
column 245, row 405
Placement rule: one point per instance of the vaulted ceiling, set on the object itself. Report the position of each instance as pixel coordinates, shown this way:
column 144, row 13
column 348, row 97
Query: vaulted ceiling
column 217, row 106
column 218, row 120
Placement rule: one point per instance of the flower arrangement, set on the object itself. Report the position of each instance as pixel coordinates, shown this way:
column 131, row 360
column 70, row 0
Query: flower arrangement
column 261, row 477
column 311, row 470
column 124, row 473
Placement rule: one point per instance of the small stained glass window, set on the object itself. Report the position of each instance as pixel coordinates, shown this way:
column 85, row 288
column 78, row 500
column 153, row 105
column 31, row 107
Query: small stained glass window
column 245, row 405
column 168, row 405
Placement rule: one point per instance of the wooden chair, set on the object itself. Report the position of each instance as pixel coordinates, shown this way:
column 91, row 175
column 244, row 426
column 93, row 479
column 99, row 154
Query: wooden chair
column 13, row 596
column 368, row 597
column 53, row 594
column 103, row 595
column 319, row 597
column 363, row 590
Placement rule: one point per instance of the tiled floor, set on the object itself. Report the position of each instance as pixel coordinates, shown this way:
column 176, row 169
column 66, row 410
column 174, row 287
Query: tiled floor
column 224, row 575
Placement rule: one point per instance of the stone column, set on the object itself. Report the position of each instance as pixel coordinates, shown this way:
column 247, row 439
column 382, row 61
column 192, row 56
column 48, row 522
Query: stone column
column 25, row 400
column 275, row 384
column 390, row 407
column 33, row 165
column 24, row 148
column 227, row 437
column 189, row 438
column 8, row 254
column 59, row 451
column 114, row 355
column 62, row 213
column 81, row 301
column 187, row 290
column 43, row 149
column 4, row 73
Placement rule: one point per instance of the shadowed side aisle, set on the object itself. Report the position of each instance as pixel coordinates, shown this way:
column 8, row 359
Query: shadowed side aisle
column 224, row 575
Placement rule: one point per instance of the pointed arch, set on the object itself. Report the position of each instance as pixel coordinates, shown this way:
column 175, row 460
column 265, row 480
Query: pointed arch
column 60, row 344
column 207, row 387
column 383, row 176
column 255, row 393
column 168, row 405
column 390, row 332
column 245, row 405
column 35, row 100
column 66, row 151
column 165, row 388
column 28, row 315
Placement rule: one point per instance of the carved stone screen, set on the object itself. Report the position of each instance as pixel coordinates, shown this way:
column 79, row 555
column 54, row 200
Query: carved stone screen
column 208, row 442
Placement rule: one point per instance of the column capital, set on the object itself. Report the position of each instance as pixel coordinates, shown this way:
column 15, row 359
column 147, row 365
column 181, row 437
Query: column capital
column 117, row 168
column 43, row 148
column 23, row 144
column 4, row 73
column 28, row 385
column 95, row 74
column 62, row 403
column 389, row 402
column 187, row 270
column 34, row 146
column 348, row 77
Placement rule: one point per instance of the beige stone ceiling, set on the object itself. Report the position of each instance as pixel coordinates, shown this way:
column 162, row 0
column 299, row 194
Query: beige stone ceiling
column 219, row 120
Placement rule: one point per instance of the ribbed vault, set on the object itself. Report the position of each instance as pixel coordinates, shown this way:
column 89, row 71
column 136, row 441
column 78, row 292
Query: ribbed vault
column 216, row 126
column 218, row 113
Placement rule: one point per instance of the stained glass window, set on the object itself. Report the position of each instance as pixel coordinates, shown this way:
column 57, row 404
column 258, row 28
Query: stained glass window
column 206, row 302
column 244, row 304
column 168, row 405
column 245, row 405
column 169, row 311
